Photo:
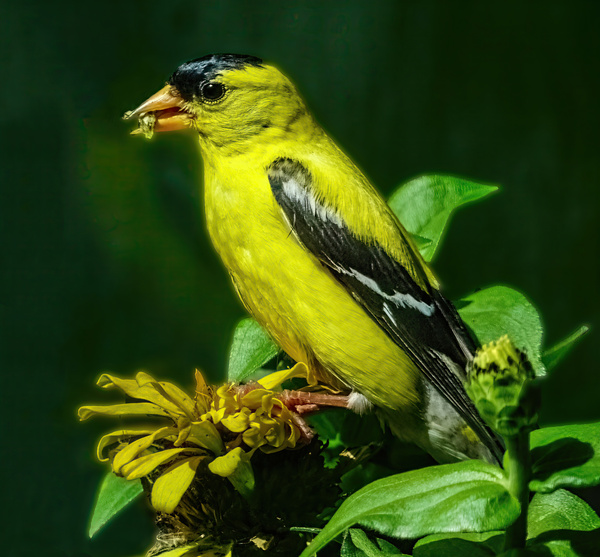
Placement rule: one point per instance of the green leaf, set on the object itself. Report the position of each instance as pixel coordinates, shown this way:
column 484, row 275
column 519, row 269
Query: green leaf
column 424, row 206
column 499, row 310
column 565, row 456
column 363, row 475
column 347, row 429
column 554, row 355
column 561, row 510
column 465, row 496
column 251, row 348
column 114, row 494
column 357, row 544
column 342, row 428
column 563, row 524
column 484, row 544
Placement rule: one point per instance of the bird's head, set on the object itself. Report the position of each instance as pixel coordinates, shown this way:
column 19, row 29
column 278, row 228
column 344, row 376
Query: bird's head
column 227, row 98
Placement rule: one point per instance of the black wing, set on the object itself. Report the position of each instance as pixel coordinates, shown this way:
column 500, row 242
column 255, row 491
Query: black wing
column 423, row 323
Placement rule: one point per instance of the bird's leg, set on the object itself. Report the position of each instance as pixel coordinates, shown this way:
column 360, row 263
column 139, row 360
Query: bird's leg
column 303, row 403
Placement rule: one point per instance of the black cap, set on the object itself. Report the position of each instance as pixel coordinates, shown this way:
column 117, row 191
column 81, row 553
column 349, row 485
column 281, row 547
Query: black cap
column 189, row 78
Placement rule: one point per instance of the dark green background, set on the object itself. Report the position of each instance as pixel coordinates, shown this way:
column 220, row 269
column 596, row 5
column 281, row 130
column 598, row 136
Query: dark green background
column 105, row 262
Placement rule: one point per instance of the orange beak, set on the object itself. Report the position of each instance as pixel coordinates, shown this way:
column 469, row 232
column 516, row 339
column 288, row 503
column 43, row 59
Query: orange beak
column 164, row 110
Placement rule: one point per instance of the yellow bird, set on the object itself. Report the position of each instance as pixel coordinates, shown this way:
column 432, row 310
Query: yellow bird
column 317, row 256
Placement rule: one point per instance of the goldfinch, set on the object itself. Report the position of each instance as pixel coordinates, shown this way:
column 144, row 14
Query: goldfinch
column 317, row 256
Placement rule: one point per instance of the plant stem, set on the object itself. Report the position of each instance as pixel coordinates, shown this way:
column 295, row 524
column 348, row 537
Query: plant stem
column 519, row 473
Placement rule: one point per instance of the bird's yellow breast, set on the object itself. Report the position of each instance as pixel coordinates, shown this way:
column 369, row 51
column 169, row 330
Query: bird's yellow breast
column 308, row 313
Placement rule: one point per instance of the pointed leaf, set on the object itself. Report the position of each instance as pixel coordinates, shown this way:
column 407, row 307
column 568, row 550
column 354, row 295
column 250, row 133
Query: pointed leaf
column 563, row 524
column 565, row 456
column 484, row 544
column 466, row 496
column 251, row 348
column 114, row 494
column 554, row 355
column 357, row 544
column 424, row 206
column 169, row 488
column 499, row 310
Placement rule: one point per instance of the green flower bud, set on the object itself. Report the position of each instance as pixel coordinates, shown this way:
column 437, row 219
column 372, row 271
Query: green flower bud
column 500, row 383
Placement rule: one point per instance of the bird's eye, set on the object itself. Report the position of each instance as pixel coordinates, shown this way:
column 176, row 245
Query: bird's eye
column 213, row 91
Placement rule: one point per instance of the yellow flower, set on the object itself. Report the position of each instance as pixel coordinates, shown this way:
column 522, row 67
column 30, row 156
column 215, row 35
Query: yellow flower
column 140, row 452
column 223, row 427
column 254, row 412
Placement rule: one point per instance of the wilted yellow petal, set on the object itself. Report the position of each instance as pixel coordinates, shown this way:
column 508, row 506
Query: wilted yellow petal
column 145, row 464
column 227, row 464
column 215, row 415
column 170, row 391
column 126, row 409
column 183, row 551
column 226, row 398
column 183, row 425
column 293, row 436
column 205, row 434
column 237, row 422
column 275, row 436
column 117, row 436
column 203, row 394
column 274, row 380
column 146, row 391
column 258, row 398
column 169, row 488
column 253, row 436
column 196, row 550
column 236, row 467
column 138, row 446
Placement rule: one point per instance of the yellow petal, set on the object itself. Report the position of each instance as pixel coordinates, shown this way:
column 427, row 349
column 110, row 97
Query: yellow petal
column 253, row 436
column 169, row 488
column 215, row 415
column 138, row 446
column 258, row 398
column 196, row 550
column 236, row 467
column 274, row 380
column 127, row 409
column 203, row 394
column 237, row 422
column 170, row 391
column 276, row 435
column 117, row 436
column 183, row 425
column 183, row 551
column 146, row 391
column 145, row 464
column 225, row 398
column 205, row 434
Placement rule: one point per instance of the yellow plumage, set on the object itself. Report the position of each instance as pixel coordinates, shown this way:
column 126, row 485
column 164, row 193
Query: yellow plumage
column 249, row 115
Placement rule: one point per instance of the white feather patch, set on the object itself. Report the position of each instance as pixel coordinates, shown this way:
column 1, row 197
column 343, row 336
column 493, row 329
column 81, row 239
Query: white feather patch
column 359, row 403
column 397, row 298
column 309, row 203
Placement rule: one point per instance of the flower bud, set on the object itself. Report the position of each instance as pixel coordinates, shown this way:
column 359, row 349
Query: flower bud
column 500, row 381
